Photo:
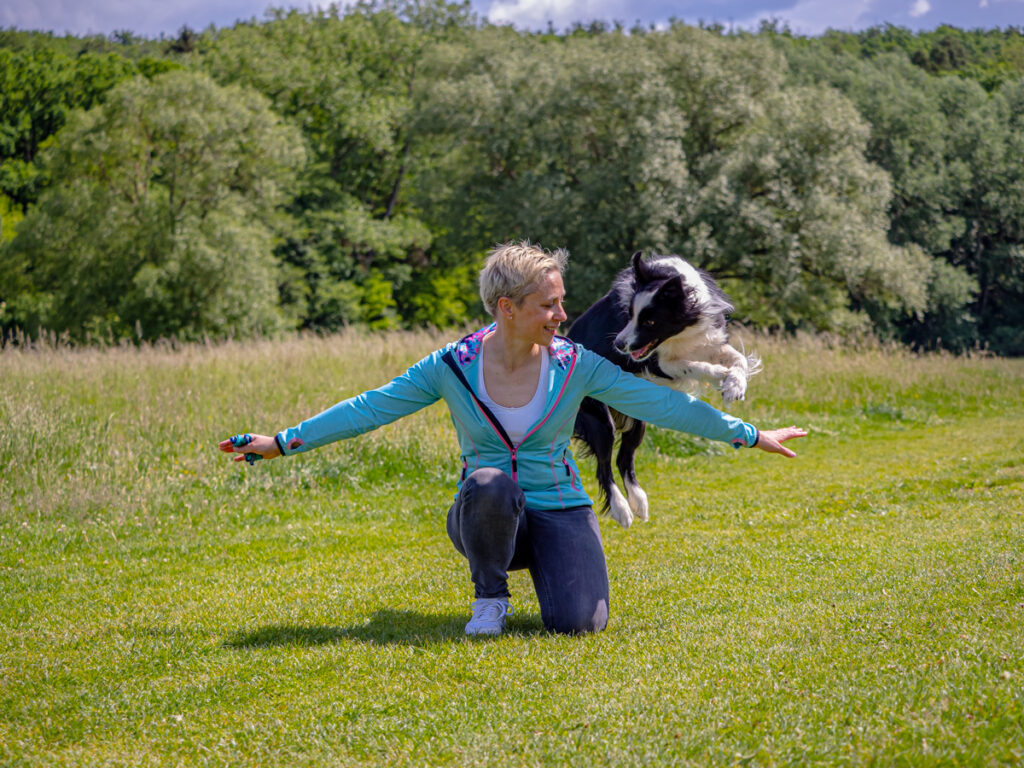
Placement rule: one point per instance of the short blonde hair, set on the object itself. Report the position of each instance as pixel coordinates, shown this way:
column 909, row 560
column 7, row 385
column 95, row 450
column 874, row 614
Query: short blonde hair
column 516, row 269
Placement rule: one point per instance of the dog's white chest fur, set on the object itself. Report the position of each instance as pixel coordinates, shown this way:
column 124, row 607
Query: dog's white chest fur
column 698, row 343
column 701, row 354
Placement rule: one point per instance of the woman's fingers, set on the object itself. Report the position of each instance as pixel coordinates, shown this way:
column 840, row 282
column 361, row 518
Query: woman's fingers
column 788, row 433
column 244, row 445
column 774, row 446
column 236, row 443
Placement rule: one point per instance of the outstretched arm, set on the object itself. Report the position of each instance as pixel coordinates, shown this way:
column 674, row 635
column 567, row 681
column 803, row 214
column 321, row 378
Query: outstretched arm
column 666, row 407
column 405, row 394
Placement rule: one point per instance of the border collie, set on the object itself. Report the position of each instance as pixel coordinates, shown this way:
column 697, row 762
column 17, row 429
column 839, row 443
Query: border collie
column 665, row 320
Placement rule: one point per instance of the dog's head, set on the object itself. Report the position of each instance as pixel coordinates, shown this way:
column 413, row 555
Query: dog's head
column 666, row 299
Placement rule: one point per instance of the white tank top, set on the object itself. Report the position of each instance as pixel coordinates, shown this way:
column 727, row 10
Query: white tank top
column 517, row 421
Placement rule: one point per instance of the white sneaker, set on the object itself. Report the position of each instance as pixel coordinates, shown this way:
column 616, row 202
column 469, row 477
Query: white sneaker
column 489, row 616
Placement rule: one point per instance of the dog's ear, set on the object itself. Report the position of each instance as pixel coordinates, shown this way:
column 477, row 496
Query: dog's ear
column 676, row 289
column 639, row 271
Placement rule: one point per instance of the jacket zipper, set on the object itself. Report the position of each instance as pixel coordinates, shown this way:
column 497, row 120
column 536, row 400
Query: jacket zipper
column 541, row 423
column 568, row 471
column 500, row 431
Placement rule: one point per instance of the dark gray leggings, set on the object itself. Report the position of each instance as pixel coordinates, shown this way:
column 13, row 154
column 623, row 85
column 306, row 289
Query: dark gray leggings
column 490, row 524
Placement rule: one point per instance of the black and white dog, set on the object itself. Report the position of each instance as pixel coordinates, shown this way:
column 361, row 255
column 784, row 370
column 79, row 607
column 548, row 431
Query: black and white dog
column 665, row 320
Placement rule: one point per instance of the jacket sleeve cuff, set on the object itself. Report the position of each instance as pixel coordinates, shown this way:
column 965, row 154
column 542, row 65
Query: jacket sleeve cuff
column 288, row 445
column 749, row 437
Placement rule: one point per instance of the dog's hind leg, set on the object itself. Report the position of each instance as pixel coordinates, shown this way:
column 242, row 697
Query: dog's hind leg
column 595, row 428
column 635, row 495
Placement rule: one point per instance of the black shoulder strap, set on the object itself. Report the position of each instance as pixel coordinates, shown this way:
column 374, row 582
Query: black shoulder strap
column 450, row 362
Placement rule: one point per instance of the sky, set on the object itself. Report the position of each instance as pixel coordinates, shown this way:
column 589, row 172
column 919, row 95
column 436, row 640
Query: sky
column 152, row 18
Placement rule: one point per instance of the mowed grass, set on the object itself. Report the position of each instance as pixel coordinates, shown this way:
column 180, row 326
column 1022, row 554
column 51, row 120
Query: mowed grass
column 161, row 605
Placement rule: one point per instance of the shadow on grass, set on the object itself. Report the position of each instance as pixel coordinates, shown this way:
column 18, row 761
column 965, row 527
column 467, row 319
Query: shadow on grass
column 385, row 627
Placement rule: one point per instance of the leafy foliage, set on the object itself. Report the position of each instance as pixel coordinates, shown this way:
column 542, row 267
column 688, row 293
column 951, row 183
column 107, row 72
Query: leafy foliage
column 38, row 90
column 346, row 82
column 952, row 152
column 159, row 221
column 850, row 182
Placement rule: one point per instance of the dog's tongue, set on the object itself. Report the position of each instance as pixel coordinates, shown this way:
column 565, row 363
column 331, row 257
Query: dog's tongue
column 640, row 352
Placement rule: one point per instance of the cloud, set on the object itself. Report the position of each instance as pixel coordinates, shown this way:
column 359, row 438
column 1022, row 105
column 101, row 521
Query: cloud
column 534, row 14
column 812, row 17
column 920, row 8
column 807, row 17
column 144, row 17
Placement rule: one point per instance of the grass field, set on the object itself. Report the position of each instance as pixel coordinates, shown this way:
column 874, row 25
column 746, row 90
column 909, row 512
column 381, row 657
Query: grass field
column 862, row 604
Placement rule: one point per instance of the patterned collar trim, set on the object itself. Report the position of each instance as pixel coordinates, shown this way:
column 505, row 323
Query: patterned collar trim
column 467, row 349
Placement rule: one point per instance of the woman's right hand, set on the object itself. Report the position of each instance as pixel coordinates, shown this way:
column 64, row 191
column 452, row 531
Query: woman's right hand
column 261, row 445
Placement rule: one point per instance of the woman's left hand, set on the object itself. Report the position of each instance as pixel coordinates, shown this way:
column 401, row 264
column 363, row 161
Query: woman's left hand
column 259, row 445
column 771, row 440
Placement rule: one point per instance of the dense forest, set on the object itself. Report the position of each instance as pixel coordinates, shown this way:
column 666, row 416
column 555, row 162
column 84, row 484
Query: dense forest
column 317, row 169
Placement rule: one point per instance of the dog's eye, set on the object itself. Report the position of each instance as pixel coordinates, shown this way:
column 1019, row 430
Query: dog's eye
column 648, row 322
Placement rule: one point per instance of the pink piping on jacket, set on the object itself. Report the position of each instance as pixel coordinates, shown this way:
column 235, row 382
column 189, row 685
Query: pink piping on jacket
column 565, row 464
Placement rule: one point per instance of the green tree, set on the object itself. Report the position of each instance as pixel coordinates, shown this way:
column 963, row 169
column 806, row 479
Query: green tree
column 569, row 142
column 795, row 220
column 160, row 220
column 10, row 215
column 347, row 81
column 989, row 143
column 38, row 90
column 917, row 134
column 678, row 142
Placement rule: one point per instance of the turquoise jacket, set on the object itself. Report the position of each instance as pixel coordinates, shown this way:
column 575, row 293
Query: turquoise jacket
column 541, row 463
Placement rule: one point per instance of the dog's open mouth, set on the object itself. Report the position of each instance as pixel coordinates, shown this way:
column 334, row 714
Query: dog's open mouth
column 644, row 351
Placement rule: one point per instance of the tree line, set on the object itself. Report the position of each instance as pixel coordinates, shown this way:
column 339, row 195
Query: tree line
column 323, row 168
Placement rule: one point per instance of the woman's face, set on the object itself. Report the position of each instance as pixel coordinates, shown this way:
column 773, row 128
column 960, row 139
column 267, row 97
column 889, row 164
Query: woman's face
column 538, row 317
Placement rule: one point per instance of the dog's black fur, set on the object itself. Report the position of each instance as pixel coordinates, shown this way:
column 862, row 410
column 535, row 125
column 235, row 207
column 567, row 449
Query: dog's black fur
column 665, row 320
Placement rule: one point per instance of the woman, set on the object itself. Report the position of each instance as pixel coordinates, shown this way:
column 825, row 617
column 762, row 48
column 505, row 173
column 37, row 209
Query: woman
column 513, row 390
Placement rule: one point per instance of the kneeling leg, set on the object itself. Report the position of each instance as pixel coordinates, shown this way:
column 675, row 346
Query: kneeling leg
column 568, row 569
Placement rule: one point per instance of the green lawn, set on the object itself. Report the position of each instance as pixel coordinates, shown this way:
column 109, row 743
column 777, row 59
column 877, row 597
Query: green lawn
column 161, row 605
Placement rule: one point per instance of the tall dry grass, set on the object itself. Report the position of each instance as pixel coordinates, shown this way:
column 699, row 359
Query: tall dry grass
column 127, row 431
column 86, row 431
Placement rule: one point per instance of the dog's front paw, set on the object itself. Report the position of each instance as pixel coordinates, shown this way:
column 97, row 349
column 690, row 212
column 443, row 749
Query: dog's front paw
column 734, row 387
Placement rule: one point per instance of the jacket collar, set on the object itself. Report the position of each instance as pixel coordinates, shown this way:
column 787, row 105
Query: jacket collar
column 467, row 349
